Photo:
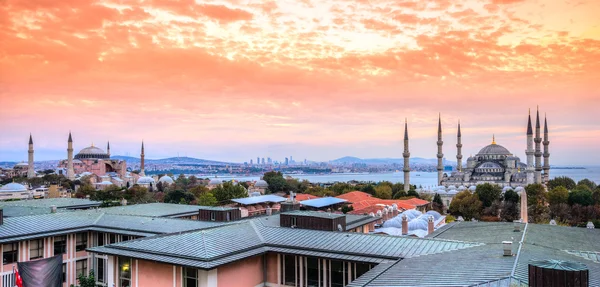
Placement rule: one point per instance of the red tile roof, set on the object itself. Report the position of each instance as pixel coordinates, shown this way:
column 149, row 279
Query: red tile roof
column 363, row 202
column 304, row 196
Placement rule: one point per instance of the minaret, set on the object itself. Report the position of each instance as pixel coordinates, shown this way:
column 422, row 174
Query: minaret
column 538, row 149
column 546, row 142
column 108, row 148
column 406, row 155
column 142, row 173
column 70, row 171
column 440, row 155
column 529, row 152
column 458, row 150
column 30, row 170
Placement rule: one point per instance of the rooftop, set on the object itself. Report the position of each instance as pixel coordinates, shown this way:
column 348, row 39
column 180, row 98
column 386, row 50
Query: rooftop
column 154, row 209
column 322, row 202
column 259, row 199
column 68, row 203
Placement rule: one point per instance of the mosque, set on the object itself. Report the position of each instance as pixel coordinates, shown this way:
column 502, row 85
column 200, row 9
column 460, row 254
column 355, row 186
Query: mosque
column 493, row 163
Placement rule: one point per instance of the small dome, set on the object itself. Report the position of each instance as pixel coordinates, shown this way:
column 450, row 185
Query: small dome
column 519, row 189
column 452, row 187
column 436, row 215
column 92, row 152
column 256, row 193
column 410, row 214
column 22, row 164
column 494, row 149
column 506, row 188
column 215, row 181
column 261, row 183
column 472, row 188
column 166, row 179
column 461, row 188
column 145, row 180
column 12, row 187
column 417, row 224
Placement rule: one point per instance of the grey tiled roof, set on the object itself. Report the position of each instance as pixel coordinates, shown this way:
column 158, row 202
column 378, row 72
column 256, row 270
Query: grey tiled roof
column 14, row 211
column 58, row 202
column 314, row 214
column 154, row 209
column 356, row 220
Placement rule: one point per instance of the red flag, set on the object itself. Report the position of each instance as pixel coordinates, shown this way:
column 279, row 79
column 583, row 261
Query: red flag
column 18, row 279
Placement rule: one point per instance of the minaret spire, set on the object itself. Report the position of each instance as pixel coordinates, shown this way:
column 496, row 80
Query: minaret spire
column 459, row 149
column 30, row 167
column 538, row 149
column 142, row 173
column 546, row 154
column 406, row 155
column 108, row 148
column 70, row 171
column 530, row 152
column 440, row 155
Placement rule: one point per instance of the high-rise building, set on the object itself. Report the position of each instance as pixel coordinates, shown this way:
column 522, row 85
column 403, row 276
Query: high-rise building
column 263, row 161
column 287, row 162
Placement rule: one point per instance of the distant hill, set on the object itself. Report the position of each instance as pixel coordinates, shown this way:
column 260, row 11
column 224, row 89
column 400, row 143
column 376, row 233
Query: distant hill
column 172, row 160
column 379, row 161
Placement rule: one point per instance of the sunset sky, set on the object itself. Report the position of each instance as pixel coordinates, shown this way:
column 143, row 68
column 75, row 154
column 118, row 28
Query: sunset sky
column 233, row 80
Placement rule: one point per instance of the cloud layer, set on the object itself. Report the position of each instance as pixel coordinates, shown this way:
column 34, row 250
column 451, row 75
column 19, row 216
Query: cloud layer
column 317, row 79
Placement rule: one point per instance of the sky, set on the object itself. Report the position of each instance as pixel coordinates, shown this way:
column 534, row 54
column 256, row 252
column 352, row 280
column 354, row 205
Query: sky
column 235, row 79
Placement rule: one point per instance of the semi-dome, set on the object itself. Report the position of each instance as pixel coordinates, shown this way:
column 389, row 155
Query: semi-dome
column 494, row 149
column 489, row 164
column 166, row 179
column 92, row 152
column 12, row 187
column 261, row 183
column 145, row 180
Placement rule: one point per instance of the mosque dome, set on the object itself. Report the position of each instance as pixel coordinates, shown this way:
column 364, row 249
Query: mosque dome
column 166, row 179
column 22, row 164
column 215, row 181
column 494, row 149
column 91, row 152
column 12, row 187
column 436, row 215
column 472, row 188
column 261, row 183
column 145, row 180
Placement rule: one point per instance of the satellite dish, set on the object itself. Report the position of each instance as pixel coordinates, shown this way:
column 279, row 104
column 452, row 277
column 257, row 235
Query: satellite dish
column 340, row 228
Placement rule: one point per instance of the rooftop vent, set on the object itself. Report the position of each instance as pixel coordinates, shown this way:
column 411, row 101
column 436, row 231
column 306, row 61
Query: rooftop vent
column 590, row 225
column 517, row 224
column 552, row 222
column 123, row 202
column 460, row 219
column 53, row 209
column 507, row 246
column 551, row 273
column 269, row 211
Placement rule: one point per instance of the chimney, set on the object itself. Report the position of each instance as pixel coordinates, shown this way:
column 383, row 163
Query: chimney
column 269, row 211
column 123, row 202
column 507, row 246
column 430, row 224
column 404, row 224
column 517, row 224
column 53, row 209
column 1, row 216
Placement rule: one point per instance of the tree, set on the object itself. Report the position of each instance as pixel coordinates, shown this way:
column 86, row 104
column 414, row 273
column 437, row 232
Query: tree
column 558, row 195
column 488, row 193
column 563, row 181
column 509, row 211
column 412, row 193
column 198, row 190
column 398, row 188
column 581, row 196
column 588, row 183
column 512, row 196
column 561, row 212
column 368, row 188
column 86, row 281
column 179, row 196
column 207, row 199
column 596, row 196
column 383, row 191
column 227, row 191
column 537, row 203
column 347, row 208
column 466, row 204
column 275, row 181
column 135, row 194
column 437, row 204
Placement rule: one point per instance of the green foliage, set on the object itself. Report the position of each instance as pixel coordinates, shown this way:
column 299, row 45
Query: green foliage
column 413, row 193
column 198, row 190
column 537, row 210
column 510, row 211
column 488, row 193
column 563, row 181
column 581, row 196
column 398, row 190
column 179, row 196
column 592, row 185
column 426, row 196
column 466, row 204
column 86, row 281
column 558, row 195
column 437, row 203
column 136, row 194
column 275, row 181
column 368, row 188
column 383, row 191
column 207, row 199
column 347, row 208
column 341, row 188
column 227, row 191
column 450, row 218
column 511, row 196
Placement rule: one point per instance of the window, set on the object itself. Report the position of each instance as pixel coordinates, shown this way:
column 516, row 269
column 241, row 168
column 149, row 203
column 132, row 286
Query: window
column 81, row 241
column 190, row 277
column 100, row 269
column 81, row 267
column 362, row 268
column 293, row 221
column 60, row 244
column 212, row 216
column 100, row 239
column 124, row 272
column 289, row 273
column 337, row 273
column 312, row 271
column 36, row 249
column 64, row 272
column 128, row 237
column 112, row 238
column 10, row 253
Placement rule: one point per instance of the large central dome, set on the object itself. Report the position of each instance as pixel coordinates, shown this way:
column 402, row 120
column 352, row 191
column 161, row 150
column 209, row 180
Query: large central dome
column 494, row 149
column 91, row 152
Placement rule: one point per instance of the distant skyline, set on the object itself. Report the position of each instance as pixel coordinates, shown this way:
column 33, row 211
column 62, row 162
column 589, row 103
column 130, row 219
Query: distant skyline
column 231, row 80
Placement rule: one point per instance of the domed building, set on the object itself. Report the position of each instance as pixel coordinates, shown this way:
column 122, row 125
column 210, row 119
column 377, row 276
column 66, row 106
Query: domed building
column 259, row 186
column 14, row 190
column 165, row 179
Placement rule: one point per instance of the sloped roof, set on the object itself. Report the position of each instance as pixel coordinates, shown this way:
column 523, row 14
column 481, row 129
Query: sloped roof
column 364, row 203
column 68, row 203
column 259, row 199
column 154, row 209
column 322, row 202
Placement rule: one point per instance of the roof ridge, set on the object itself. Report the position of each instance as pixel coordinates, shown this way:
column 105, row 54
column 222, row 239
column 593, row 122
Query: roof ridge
column 258, row 233
column 203, row 234
column 98, row 219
